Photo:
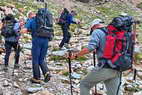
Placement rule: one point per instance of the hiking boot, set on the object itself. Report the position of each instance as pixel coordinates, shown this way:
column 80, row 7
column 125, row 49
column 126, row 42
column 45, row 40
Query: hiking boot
column 37, row 81
column 16, row 66
column 63, row 48
column 66, row 45
column 47, row 77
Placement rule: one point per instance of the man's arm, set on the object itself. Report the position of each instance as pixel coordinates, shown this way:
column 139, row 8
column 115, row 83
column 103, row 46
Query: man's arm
column 93, row 44
column 27, row 26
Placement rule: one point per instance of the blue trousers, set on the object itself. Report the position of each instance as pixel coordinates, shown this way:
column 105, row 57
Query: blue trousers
column 39, row 51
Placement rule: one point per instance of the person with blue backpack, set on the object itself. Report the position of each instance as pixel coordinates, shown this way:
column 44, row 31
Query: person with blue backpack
column 65, row 20
column 41, row 27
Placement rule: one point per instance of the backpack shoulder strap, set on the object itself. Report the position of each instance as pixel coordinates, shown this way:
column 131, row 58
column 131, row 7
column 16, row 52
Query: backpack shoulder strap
column 104, row 30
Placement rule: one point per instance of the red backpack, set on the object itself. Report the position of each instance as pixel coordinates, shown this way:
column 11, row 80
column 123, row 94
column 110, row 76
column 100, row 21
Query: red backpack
column 117, row 49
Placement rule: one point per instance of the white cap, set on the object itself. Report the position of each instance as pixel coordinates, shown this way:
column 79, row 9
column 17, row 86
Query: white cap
column 96, row 21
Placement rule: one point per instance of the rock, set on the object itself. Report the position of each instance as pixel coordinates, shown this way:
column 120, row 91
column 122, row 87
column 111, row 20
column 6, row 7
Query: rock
column 11, row 5
column 5, row 83
column 139, row 74
column 137, row 49
column 21, row 10
column 56, row 68
column 16, row 85
column 59, row 53
column 90, row 68
column 20, row 79
column 34, row 89
column 75, row 75
column 27, row 46
column 65, row 80
column 76, row 65
column 45, row 92
column 1, row 91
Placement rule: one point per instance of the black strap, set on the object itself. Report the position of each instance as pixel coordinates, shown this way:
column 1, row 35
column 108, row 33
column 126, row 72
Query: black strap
column 104, row 30
column 119, row 83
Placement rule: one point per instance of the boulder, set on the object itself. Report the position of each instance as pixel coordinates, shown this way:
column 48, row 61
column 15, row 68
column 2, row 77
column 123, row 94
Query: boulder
column 44, row 92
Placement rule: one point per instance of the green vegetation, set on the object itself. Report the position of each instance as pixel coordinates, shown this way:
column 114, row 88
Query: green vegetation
column 66, row 73
column 82, row 58
column 56, row 58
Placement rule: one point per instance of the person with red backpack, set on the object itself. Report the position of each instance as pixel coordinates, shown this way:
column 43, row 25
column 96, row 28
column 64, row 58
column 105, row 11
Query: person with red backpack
column 112, row 47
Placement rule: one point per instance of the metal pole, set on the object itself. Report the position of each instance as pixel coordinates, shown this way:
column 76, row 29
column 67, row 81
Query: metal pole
column 70, row 72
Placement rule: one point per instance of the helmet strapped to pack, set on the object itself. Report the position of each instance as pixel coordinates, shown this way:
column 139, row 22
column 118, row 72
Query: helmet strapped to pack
column 44, row 22
column 117, row 51
column 123, row 22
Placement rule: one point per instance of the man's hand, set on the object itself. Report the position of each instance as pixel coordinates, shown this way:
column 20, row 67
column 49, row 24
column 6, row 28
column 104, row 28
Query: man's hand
column 72, row 55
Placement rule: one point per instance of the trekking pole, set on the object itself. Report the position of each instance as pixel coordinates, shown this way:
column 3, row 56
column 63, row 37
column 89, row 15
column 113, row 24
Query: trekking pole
column 135, row 74
column 70, row 72
column 133, row 46
column 94, row 61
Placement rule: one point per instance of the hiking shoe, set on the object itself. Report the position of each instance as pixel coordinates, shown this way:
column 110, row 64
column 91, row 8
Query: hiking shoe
column 47, row 77
column 16, row 66
column 63, row 48
column 37, row 81
column 66, row 45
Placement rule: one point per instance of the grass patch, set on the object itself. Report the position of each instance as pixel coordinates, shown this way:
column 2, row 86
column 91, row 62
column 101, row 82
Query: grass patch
column 55, row 49
column 66, row 73
column 84, row 71
column 56, row 58
column 81, row 59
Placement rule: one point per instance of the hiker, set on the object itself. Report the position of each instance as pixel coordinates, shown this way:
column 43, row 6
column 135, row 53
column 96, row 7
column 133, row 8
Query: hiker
column 11, row 34
column 41, row 28
column 107, row 70
column 65, row 20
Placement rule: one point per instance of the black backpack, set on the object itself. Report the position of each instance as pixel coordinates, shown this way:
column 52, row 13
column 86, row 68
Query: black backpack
column 44, row 22
column 63, row 17
column 8, row 29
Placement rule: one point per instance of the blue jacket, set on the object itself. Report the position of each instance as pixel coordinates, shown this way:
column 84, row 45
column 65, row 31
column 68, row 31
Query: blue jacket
column 31, row 25
column 70, row 19
column 97, row 42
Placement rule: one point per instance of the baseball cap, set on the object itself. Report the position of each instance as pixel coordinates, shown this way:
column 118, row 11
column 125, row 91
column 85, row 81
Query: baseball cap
column 96, row 21
column 123, row 14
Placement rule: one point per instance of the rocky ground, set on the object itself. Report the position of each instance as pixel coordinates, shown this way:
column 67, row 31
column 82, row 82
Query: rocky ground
column 16, row 82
